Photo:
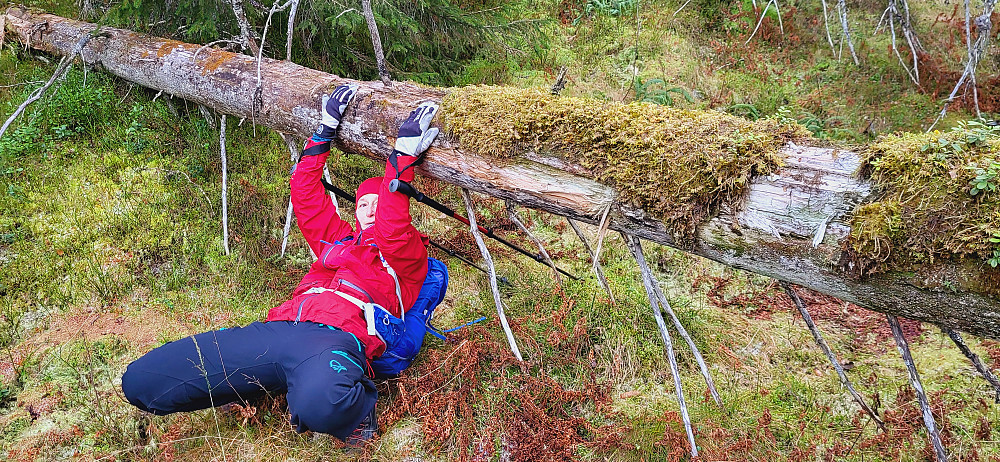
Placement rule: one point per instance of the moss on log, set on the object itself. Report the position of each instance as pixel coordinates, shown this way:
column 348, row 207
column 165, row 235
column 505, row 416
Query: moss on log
column 931, row 206
column 678, row 165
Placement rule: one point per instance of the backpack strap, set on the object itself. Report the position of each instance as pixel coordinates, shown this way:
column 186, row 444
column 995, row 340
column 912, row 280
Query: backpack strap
column 367, row 308
column 399, row 294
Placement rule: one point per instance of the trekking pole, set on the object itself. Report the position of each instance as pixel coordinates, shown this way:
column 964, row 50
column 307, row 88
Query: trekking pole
column 350, row 197
column 409, row 190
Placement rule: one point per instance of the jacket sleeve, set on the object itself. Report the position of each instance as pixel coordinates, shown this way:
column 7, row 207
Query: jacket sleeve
column 317, row 217
column 402, row 246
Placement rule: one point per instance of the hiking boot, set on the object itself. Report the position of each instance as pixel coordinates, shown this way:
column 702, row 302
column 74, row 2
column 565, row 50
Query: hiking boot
column 365, row 432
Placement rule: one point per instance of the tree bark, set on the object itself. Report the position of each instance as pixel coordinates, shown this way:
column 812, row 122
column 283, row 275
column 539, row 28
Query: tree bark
column 791, row 226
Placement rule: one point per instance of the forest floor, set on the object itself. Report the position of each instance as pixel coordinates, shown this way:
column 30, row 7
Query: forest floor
column 110, row 245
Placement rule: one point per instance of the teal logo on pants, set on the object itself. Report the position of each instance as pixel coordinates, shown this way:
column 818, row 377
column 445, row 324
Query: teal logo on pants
column 339, row 367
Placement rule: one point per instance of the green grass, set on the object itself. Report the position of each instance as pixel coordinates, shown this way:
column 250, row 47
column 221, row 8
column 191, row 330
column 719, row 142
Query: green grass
column 111, row 210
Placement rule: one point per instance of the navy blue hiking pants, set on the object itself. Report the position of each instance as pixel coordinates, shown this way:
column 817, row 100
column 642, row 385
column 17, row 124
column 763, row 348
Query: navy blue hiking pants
column 322, row 369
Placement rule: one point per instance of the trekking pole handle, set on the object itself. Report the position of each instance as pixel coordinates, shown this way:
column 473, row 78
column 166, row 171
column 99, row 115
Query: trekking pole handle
column 405, row 188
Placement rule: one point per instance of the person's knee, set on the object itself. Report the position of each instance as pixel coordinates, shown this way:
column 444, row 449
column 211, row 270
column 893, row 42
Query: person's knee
column 161, row 380
column 327, row 410
column 140, row 387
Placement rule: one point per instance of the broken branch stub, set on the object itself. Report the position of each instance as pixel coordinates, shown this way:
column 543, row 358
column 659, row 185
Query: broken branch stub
column 918, row 388
column 494, row 287
column 648, row 282
column 818, row 337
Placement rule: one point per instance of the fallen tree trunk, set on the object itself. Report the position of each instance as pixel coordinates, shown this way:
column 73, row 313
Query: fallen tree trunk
column 791, row 225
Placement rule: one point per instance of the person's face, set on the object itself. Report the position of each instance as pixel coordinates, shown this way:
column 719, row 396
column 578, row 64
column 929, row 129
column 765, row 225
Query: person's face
column 365, row 211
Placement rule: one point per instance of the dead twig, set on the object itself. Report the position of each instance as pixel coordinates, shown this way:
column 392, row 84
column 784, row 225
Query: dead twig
column 383, row 71
column 826, row 25
column 975, row 53
column 294, row 153
column 602, row 232
column 256, row 99
column 512, row 213
column 804, row 311
column 665, row 306
column 33, row 82
column 291, row 29
column 471, row 214
column 3, row 29
column 245, row 39
column 985, row 371
column 225, row 202
column 842, row 7
column 206, row 113
column 898, row 11
column 228, row 43
column 761, row 21
column 598, row 271
column 636, row 248
column 64, row 65
column 925, row 407
column 560, row 83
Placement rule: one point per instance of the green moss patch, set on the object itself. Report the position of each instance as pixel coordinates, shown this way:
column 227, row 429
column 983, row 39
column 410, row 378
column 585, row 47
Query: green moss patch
column 678, row 165
column 938, row 200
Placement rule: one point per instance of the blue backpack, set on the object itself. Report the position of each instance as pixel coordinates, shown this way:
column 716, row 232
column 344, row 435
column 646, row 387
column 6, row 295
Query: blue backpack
column 407, row 335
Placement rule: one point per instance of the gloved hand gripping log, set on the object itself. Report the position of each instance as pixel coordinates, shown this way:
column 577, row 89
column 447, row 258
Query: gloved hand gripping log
column 415, row 136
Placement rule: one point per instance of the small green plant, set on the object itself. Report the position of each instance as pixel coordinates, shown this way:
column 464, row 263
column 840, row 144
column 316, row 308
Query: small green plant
column 609, row 7
column 973, row 133
column 656, row 91
column 748, row 111
column 986, row 177
column 994, row 259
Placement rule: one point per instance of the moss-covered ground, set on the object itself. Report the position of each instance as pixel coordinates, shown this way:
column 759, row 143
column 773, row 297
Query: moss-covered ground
column 110, row 244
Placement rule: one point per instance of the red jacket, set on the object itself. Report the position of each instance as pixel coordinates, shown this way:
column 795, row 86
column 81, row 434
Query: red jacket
column 346, row 255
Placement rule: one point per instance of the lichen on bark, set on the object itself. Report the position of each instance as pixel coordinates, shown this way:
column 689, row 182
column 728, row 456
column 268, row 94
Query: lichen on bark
column 679, row 165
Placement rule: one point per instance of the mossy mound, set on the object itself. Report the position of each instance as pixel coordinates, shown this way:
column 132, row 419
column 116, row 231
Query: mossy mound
column 927, row 210
column 678, row 165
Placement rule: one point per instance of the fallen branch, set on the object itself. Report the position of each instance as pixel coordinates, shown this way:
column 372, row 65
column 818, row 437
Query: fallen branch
column 765, row 233
column 804, row 311
column 983, row 370
column 925, row 407
column 636, row 248
column 493, row 273
column 512, row 213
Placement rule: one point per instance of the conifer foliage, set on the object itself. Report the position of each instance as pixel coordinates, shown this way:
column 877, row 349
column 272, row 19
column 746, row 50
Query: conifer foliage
column 429, row 41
